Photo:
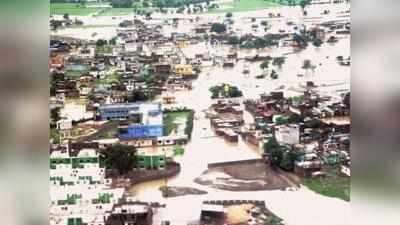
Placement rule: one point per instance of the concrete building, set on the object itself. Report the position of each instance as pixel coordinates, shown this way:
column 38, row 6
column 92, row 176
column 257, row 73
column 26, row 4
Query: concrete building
column 151, row 158
column 288, row 134
column 79, row 192
column 64, row 126
column 130, row 213
column 135, row 111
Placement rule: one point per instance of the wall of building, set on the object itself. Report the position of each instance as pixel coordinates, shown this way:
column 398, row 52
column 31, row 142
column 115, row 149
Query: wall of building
column 151, row 161
column 142, row 131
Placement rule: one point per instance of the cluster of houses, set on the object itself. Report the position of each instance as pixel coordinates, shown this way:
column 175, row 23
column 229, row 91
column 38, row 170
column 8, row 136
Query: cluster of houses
column 110, row 85
column 317, row 127
column 95, row 84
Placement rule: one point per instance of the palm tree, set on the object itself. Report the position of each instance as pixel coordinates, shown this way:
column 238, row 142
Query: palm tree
column 278, row 61
column 265, row 65
column 307, row 65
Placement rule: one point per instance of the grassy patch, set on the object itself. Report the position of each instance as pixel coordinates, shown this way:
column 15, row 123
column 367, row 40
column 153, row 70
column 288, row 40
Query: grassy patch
column 106, row 49
column 116, row 11
column 333, row 184
column 109, row 79
column 108, row 135
column 137, row 6
column 244, row 5
column 55, row 135
column 71, row 9
column 171, row 120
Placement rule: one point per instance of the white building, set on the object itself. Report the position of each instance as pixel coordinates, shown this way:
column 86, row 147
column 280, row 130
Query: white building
column 79, row 191
column 288, row 134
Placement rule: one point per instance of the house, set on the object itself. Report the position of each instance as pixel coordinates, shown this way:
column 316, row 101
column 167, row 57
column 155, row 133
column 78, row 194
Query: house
column 162, row 68
column 64, row 127
column 288, row 134
column 151, row 158
column 212, row 214
column 130, row 213
column 307, row 168
column 184, row 70
column 135, row 111
column 57, row 62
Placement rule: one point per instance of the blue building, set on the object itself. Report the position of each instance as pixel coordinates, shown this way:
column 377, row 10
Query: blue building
column 144, row 120
column 129, row 111
column 140, row 131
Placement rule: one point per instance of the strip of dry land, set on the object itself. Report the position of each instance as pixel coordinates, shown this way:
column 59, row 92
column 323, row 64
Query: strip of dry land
column 247, row 176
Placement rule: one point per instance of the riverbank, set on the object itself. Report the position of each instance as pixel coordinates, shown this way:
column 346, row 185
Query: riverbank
column 247, row 176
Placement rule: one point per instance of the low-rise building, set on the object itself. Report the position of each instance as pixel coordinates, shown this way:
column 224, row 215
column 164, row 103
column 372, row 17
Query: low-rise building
column 79, row 191
column 288, row 134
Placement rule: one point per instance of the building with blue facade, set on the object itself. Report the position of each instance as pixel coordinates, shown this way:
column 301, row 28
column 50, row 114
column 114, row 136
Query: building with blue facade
column 140, row 131
column 144, row 120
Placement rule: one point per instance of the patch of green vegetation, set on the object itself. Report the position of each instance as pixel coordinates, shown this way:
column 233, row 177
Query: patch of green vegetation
column 55, row 135
column 172, row 118
column 225, row 91
column 75, row 9
column 179, row 150
column 105, row 49
column 333, row 184
column 244, row 5
column 109, row 135
column 136, row 7
column 113, row 78
column 273, row 220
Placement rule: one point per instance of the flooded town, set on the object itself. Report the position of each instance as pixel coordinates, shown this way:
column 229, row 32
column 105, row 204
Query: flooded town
column 199, row 112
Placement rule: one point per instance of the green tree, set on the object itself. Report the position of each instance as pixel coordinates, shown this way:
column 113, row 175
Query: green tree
column 101, row 42
column 147, row 4
column 317, row 42
column 307, row 66
column 304, row 3
column 288, row 160
column 274, row 75
column 137, row 96
column 295, row 118
column 218, row 28
column 121, row 3
column 278, row 61
column 55, row 114
column 271, row 145
column 180, row 10
column 119, row 157
column 265, row 64
column 276, row 157
column 233, row 40
column 55, row 135
column 113, row 41
column 264, row 23
column 229, row 15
